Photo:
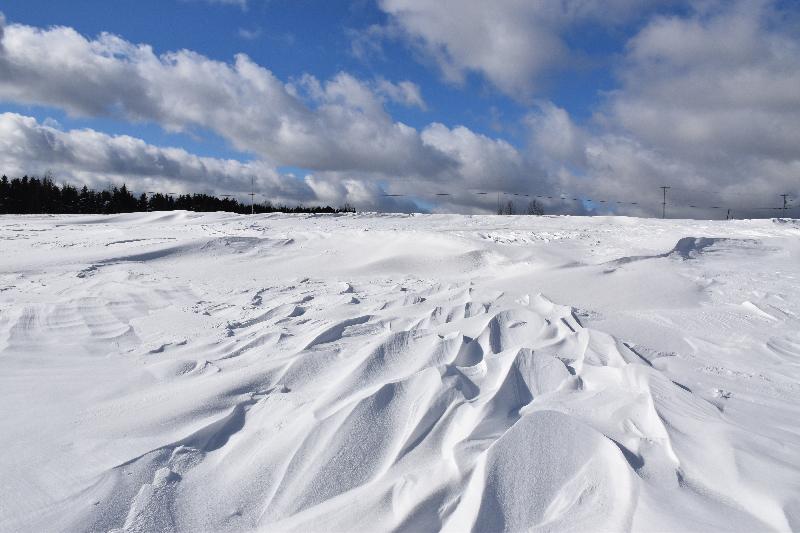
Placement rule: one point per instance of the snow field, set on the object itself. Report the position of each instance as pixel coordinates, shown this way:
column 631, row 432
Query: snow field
column 182, row 371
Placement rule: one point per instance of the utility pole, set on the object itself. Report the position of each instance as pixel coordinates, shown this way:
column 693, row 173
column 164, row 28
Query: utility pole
column 252, row 194
column 785, row 206
column 664, row 203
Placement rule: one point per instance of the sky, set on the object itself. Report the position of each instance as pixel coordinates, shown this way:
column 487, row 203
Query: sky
column 588, row 106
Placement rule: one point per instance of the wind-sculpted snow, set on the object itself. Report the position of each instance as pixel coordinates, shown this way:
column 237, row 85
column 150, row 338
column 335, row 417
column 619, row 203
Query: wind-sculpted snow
column 210, row 372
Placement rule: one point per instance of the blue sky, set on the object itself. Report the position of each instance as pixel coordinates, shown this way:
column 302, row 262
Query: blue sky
column 588, row 97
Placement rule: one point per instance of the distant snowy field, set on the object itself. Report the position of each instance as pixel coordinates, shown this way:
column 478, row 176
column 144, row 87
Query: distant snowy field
column 212, row 372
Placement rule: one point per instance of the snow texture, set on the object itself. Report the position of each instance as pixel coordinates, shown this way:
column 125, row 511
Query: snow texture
column 214, row 372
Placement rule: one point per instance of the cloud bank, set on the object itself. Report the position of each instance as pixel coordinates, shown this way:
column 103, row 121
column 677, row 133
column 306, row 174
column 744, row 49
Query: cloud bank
column 341, row 125
column 98, row 160
column 707, row 103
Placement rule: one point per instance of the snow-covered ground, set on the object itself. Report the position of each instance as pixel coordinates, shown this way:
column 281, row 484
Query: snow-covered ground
column 390, row 372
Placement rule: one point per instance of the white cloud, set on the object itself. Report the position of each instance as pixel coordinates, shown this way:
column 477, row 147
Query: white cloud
column 555, row 137
column 345, row 90
column 706, row 100
column 364, row 194
column 338, row 127
column 513, row 43
column 481, row 160
column 341, row 127
column 405, row 92
column 97, row 159
column 484, row 165
column 727, row 85
column 708, row 104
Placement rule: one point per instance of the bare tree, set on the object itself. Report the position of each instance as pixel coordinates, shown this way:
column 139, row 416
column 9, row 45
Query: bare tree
column 509, row 210
column 535, row 208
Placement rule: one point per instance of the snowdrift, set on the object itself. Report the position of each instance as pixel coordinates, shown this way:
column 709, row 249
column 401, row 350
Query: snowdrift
column 187, row 372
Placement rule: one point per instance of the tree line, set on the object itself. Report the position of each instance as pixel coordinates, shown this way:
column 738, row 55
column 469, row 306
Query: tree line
column 31, row 195
column 534, row 207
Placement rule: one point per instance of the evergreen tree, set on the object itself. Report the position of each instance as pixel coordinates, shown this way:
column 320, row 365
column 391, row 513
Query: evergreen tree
column 30, row 195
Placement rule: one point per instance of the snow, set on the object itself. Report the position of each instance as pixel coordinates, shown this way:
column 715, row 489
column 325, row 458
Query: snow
column 364, row 372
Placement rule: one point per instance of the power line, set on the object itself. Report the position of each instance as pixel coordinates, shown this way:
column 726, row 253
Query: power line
column 567, row 197
column 719, row 193
column 673, row 189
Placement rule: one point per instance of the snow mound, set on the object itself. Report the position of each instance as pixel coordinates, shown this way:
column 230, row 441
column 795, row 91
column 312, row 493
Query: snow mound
column 284, row 373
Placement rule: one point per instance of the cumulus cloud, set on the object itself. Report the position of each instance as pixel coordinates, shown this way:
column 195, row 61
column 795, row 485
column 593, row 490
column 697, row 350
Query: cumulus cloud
column 484, row 165
column 513, row 43
column 725, row 85
column 481, row 160
column 706, row 100
column 342, row 126
column 339, row 127
column 480, row 165
column 405, row 92
column 97, row 159
column 365, row 194
column 555, row 136
column 708, row 104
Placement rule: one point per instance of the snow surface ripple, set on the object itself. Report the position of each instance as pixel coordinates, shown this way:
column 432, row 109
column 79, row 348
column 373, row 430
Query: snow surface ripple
column 186, row 372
